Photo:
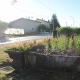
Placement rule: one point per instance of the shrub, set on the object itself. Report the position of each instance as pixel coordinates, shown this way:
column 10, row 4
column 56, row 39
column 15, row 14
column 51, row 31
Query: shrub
column 64, row 31
column 23, row 46
column 43, row 27
column 68, row 30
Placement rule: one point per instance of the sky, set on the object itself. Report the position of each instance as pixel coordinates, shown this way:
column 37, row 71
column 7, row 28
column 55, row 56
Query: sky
column 67, row 11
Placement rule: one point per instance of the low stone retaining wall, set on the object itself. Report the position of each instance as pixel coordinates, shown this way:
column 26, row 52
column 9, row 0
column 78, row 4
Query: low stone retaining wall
column 40, row 61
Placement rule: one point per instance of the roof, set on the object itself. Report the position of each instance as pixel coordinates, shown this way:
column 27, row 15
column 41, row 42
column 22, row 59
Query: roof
column 24, row 19
column 41, row 20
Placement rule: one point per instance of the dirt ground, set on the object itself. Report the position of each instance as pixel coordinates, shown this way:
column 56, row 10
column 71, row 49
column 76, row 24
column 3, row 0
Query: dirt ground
column 44, row 75
column 36, row 74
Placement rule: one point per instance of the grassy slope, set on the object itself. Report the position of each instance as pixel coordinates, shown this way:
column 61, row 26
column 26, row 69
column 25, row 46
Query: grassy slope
column 3, row 56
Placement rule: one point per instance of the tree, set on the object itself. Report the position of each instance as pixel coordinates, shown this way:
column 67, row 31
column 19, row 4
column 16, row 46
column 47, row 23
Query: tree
column 3, row 26
column 54, row 22
column 43, row 27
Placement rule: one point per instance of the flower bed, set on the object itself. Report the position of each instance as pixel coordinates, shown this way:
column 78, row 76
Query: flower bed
column 16, row 51
column 49, row 52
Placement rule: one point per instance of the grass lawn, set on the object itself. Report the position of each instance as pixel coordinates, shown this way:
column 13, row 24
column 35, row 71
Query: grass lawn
column 2, row 76
column 3, row 56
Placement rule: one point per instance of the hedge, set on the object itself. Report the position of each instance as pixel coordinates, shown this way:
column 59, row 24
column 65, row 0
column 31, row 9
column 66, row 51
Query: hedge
column 68, row 31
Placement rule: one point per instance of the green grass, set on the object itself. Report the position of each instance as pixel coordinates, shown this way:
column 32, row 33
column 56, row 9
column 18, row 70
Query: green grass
column 2, row 76
column 3, row 56
column 62, row 43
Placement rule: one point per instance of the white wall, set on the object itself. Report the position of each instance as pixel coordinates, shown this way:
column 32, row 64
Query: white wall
column 14, row 31
column 44, row 22
column 26, row 24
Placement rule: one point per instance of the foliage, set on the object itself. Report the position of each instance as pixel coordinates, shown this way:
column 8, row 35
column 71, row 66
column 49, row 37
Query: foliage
column 77, row 43
column 76, row 31
column 61, row 43
column 64, row 30
column 54, row 21
column 23, row 46
column 67, row 30
column 2, row 76
column 18, row 47
column 56, row 43
column 3, row 56
column 43, row 27
column 3, row 25
column 64, row 43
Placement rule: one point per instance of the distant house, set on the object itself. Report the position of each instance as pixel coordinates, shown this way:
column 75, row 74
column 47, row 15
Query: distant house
column 47, row 23
column 29, row 26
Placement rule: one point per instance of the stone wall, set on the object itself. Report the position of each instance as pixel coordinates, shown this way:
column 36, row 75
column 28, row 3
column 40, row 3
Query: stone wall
column 40, row 61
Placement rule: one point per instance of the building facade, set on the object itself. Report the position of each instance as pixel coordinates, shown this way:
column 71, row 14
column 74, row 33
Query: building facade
column 46, row 23
column 29, row 26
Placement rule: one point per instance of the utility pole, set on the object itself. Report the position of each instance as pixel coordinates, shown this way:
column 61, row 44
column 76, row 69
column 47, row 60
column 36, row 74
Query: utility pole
column 71, row 25
column 54, row 32
column 53, row 24
column 66, row 24
column 73, row 21
column 53, row 28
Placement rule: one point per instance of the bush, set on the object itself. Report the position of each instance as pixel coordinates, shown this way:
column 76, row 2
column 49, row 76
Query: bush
column 68, row 31
column 76, row 31
column 43, row 27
